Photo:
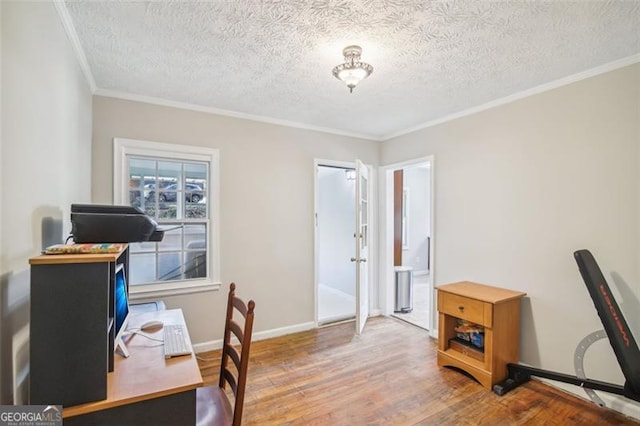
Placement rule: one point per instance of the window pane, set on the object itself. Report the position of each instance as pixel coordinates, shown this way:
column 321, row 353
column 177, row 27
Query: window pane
column 142, row 168
column 134, row 197
column 139, row 169
column 149, row 208
column 167, row 210
column 195, row 172
column 142, row 269
column 142, row 247
column 195, row 237
column 365, row 236
column 363, row 185
column 196, row 211
column 169, row 172
column 169, row 266
column 364, row 210
column 172, row 240
column 195, row 264
column 195, row 182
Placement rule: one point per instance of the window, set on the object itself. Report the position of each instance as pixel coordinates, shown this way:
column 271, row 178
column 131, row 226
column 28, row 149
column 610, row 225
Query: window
column 178, row 186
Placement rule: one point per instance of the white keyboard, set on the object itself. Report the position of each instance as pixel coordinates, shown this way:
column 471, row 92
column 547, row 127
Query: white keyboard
column 176, row 340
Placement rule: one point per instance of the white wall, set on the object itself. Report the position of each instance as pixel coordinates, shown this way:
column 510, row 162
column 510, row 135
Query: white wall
column 267, row 203
column 46, row 163
column 336, row 225
column 520, row 187
column 416, row 180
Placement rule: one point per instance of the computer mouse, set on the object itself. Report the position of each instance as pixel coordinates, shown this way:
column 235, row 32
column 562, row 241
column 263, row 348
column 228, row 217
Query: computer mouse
column 151, row 325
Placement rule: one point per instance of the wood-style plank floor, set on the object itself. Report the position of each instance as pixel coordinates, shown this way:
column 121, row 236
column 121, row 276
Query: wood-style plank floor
column 387, row 376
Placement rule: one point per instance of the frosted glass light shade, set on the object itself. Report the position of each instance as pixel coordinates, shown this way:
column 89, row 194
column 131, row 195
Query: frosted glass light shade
column 352, row 71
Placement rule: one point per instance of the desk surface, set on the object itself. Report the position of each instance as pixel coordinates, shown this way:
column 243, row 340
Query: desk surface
column 146, row 374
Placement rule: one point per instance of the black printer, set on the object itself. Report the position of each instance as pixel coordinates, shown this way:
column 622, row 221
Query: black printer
column 100, row 223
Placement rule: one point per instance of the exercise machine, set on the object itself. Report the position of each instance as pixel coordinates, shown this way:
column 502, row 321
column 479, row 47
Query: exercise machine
column 615, row 328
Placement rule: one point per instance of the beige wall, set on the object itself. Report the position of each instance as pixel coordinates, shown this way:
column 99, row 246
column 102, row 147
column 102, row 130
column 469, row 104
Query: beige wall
column 266, row 188
column 46, row 151
column 520, row 187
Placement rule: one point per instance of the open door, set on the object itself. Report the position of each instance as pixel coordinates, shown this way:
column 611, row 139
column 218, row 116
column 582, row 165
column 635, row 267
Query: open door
column 362, row 245
column 335, row 221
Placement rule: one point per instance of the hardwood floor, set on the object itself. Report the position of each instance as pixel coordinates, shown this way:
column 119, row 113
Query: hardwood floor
column 387, row 376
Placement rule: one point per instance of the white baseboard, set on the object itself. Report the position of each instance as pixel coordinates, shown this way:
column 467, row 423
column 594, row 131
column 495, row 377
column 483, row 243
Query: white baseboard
column 260, row 335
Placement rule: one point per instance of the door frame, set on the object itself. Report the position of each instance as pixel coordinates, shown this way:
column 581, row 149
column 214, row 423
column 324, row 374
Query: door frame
column 386, row 279
column 374, row 305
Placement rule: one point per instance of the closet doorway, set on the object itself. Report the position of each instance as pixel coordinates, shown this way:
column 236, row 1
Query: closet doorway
column 335, row 224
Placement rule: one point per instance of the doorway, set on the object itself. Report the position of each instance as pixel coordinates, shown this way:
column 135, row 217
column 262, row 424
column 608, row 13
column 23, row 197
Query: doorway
column 407, row 256
column 335, row 224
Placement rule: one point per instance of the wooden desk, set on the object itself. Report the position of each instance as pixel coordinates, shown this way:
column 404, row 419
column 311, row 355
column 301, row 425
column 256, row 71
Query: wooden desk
column 145, row 388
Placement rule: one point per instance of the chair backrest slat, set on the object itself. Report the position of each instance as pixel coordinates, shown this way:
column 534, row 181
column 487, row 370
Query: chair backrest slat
column 231, row 381
column 240, row 359
column 235, row 329
column 234, row 355
column 240, row 306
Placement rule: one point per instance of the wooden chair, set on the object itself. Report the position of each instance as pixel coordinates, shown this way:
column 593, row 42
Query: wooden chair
column 213, row 407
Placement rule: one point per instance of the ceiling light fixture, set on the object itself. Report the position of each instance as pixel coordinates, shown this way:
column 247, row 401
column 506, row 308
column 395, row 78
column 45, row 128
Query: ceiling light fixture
column 352, row 71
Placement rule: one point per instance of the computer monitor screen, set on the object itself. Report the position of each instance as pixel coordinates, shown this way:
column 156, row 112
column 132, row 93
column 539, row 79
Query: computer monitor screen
column 121, row 302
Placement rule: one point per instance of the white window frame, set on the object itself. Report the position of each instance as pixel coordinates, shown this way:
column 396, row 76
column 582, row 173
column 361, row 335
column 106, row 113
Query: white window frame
column 131, row 147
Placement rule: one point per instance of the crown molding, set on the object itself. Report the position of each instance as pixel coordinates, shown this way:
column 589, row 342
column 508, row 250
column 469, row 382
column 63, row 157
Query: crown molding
column 227, row 113
column 67, row 23
column 611, row 66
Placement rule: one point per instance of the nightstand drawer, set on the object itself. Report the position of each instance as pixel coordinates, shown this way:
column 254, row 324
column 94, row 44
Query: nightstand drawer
column 464, row 308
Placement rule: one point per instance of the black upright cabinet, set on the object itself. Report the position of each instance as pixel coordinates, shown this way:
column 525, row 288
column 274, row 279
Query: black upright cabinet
column 72, row 326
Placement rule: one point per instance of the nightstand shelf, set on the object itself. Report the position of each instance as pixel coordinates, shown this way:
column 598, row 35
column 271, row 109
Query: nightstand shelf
column 466, row 349
column 497, row 310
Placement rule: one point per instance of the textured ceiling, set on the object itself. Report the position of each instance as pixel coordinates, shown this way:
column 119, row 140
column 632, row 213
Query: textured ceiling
column 273, row 58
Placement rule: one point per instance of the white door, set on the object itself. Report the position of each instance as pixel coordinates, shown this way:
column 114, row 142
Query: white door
column 362, row 245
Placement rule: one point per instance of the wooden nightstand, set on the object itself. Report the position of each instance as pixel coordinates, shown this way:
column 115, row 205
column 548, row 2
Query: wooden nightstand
column 497, row 310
